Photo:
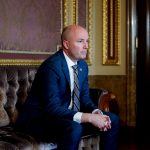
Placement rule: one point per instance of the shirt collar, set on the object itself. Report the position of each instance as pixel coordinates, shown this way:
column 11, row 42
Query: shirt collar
column 69, row 61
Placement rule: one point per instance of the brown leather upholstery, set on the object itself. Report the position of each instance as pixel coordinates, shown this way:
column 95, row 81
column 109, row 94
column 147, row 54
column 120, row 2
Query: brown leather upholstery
column 15, row 83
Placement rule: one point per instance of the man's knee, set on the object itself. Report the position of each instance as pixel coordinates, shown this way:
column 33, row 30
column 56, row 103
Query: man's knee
column 75, row 130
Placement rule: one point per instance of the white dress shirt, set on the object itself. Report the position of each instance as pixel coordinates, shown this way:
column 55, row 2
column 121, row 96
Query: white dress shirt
column 70, row 63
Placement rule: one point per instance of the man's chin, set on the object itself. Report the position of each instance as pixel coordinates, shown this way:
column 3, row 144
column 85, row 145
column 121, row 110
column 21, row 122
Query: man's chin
column 83, row 57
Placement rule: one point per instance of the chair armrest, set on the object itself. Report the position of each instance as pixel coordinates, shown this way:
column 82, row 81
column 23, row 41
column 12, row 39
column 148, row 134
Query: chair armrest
column 108, row 103
column 105, row 100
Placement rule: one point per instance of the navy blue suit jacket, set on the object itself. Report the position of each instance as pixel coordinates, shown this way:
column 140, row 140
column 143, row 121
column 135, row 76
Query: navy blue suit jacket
column 50, row 94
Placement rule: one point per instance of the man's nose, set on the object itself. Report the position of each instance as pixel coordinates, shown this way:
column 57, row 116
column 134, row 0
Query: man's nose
column 86, row 44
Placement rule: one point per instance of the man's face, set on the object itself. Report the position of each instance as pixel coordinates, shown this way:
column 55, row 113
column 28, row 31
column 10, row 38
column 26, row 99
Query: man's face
column 77, row 44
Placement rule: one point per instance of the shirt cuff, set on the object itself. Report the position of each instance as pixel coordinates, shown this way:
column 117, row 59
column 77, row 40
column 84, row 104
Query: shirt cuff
column 77, row 117
column 97, row 111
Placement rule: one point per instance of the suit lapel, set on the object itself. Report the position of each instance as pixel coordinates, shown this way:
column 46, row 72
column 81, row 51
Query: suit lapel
column 80, row 73
column 66, row 72
column 65, row 68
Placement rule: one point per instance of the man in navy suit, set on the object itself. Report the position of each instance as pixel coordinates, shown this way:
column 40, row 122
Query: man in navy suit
column 48, row 112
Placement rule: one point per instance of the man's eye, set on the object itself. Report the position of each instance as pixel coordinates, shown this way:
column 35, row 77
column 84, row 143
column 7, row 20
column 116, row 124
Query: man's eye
column 80, row 41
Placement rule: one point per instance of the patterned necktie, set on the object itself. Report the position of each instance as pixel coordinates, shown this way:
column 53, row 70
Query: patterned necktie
column 76, row 92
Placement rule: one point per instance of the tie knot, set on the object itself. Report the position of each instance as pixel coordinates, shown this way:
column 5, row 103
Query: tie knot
column 74, row 67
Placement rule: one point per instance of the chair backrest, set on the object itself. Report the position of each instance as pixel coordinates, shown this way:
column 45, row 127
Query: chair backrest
column 15, row 83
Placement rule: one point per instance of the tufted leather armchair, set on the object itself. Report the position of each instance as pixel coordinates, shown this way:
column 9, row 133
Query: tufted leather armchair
column 15, row 83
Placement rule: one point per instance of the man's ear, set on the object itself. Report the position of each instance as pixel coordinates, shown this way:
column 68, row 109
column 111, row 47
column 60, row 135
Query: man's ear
column 66, row 44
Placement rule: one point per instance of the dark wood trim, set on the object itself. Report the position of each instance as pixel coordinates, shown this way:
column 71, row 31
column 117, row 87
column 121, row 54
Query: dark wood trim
column 143, row 68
